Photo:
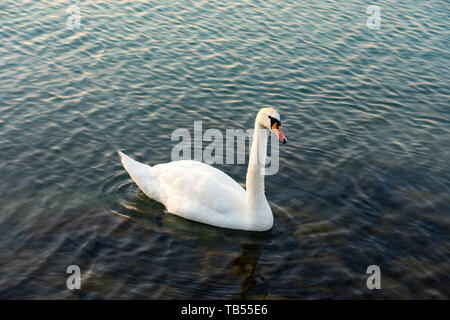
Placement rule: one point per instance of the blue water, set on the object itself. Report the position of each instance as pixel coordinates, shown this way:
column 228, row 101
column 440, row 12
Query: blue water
column 363, row 180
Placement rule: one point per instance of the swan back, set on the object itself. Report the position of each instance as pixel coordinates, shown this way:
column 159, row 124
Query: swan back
column 193, row 190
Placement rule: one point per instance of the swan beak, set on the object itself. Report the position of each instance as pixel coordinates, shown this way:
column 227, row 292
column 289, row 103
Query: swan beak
column 277, row 130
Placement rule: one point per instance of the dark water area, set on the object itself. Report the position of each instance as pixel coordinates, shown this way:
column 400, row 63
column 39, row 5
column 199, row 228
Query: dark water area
column 364, row 178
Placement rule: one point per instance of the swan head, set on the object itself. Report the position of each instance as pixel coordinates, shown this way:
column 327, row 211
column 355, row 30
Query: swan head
column 269, row 118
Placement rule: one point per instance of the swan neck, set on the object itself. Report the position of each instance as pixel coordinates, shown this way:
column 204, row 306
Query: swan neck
column 260, row 214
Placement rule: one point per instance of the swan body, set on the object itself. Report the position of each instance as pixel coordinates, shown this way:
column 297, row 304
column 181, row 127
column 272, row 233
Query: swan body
column 202, row 193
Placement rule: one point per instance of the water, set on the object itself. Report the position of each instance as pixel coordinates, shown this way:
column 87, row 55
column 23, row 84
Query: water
column 364, row 178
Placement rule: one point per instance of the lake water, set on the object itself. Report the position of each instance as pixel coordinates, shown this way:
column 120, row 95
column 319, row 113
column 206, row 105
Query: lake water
column 364, row 178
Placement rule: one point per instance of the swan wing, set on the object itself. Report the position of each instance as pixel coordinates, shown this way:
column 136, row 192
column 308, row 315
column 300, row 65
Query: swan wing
column 192, row 190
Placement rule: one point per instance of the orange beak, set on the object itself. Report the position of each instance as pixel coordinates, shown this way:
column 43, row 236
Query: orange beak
column 277, row 130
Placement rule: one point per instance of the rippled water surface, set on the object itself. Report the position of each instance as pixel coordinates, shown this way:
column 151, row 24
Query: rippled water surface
column 363, row 180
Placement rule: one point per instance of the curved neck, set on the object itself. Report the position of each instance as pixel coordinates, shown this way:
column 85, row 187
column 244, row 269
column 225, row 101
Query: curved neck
column 260, row 214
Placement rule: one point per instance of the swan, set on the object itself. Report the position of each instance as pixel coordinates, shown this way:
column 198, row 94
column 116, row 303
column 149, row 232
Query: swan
column 202, row 193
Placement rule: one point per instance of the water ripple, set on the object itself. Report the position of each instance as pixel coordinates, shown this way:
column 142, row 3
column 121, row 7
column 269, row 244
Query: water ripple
column 363, row 180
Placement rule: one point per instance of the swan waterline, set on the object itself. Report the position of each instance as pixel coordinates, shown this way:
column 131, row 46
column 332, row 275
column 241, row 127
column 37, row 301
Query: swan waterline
column 202, row 193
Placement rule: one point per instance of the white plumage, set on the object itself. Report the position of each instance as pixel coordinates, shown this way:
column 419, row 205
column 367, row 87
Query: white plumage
column 202, row 193
column 192, row 190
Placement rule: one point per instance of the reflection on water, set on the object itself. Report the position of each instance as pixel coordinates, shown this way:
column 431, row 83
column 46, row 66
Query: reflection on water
column 363, row 178
column 244, row 267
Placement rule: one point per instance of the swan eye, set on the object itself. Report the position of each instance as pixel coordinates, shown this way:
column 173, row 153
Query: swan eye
column 274, row 123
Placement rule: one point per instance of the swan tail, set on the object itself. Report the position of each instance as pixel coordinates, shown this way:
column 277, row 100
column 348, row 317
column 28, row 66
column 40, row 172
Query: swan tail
column 142, row 175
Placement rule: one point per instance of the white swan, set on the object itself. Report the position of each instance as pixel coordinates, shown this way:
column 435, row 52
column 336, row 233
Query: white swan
column 202, row 193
